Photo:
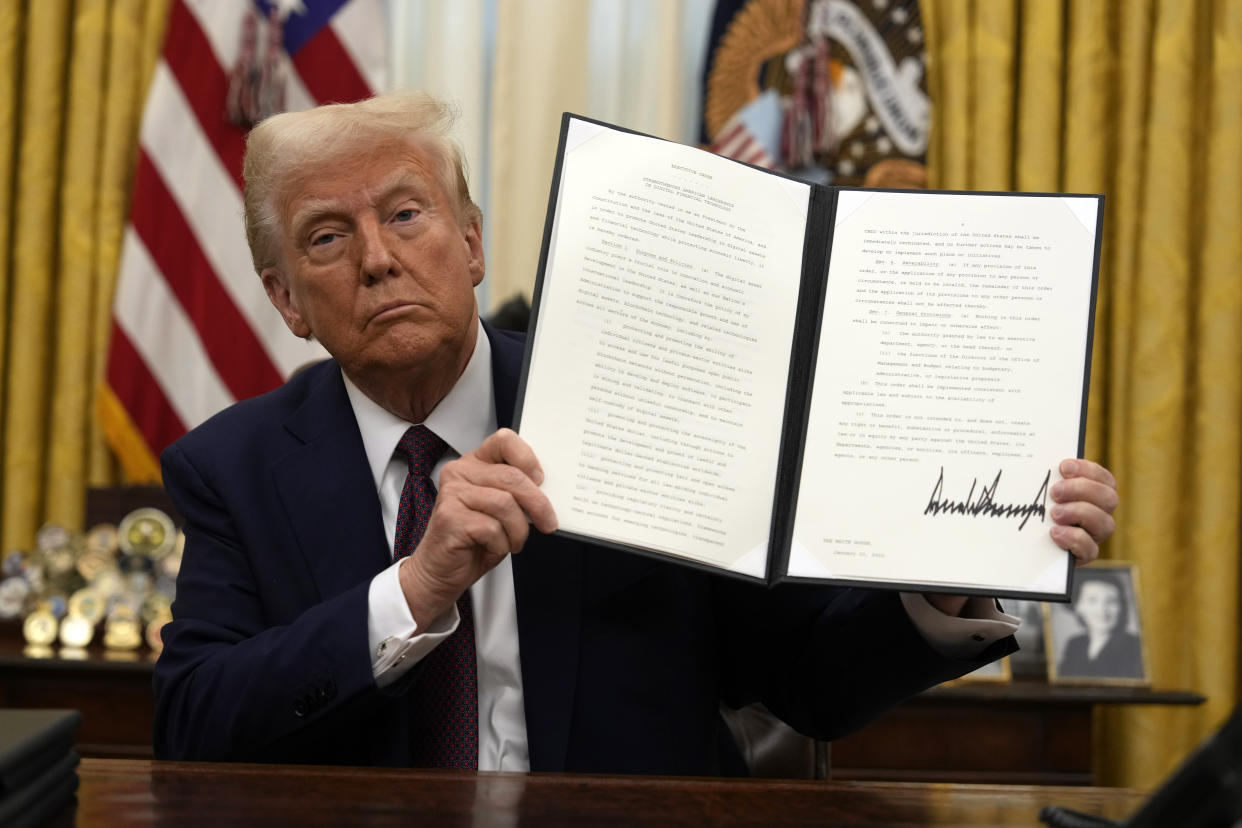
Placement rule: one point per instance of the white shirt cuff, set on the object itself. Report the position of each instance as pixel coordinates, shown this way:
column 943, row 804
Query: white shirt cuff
column 964, row 636
column 395, row 642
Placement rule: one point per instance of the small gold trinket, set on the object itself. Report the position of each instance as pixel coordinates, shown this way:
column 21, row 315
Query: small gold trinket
column 59, row 561
column 103, row 538
column 147, row 532
column 39, row 628
column 108, row 583
column 76, row 631
column 13, row 595
column 121, row 633
column 92, row 562
column 89, row 603
column 154, row 606
column 51, row 537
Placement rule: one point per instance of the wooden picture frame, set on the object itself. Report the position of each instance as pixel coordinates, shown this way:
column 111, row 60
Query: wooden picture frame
column 1105, row 598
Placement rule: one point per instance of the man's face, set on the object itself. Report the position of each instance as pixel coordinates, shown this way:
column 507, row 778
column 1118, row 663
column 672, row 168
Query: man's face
column 375, row 264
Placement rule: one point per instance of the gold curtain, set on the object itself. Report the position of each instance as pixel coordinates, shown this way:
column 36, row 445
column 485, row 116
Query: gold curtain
column 73, row 77
column 1140, row 100
column 532, row 86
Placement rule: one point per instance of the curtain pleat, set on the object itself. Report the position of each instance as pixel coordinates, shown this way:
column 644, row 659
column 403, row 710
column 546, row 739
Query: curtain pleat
column 35, row 262
column 11, row 40
column 540, row 62
column 619, row 62
column 1038, row 86
column 995, row 32
column 1087, row 143
column 73, row 285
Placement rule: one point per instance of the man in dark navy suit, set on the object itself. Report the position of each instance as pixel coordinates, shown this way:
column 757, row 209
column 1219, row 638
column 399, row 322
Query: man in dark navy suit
column 351, row 589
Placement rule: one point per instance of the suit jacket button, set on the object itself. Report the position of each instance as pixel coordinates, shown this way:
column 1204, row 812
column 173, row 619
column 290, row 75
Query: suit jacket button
column 301, row 706
column 327, row 691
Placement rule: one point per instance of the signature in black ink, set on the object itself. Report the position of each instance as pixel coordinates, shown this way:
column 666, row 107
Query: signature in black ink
column 986, row 505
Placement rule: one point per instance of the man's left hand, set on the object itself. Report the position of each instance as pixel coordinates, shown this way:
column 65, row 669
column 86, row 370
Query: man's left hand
column 1082, row 518
column 1082, row 511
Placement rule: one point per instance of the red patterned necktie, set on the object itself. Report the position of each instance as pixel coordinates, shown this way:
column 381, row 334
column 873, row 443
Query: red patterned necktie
column 444, row 722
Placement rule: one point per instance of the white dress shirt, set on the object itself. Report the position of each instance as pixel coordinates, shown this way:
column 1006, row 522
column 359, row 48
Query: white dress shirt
column 463, row 419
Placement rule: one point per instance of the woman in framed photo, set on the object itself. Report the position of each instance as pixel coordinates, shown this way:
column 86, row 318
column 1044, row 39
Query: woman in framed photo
column 1105, row 649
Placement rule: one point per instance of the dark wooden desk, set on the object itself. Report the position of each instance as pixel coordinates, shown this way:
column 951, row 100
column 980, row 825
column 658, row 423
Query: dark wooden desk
column 1025, row 732
column 134, row 792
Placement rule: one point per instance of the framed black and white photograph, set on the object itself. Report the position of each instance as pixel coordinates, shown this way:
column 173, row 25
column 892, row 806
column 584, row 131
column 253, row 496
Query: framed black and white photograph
column 1031, row 659
column 1097, row 638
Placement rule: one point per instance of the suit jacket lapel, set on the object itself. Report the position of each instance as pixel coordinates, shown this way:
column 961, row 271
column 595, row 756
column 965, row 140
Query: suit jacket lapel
column 325, row 478
column 547, row 580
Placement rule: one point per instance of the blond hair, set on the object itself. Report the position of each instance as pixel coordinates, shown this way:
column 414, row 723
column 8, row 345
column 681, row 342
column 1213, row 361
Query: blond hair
column 282, row 145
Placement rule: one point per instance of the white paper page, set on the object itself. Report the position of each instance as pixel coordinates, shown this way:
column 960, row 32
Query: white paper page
column 948, row 388
column 655, row 394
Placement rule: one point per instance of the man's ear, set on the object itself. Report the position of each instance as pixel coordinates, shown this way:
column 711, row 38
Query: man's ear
column 277, row 287
column 473, row 234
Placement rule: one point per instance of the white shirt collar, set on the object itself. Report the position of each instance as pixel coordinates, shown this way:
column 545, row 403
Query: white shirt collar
column 463, row 419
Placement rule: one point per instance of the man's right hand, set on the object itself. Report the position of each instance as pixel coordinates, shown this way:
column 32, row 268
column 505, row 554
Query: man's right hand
column 481, row 514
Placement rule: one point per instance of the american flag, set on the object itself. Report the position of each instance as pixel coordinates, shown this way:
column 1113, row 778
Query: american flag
column 753, row 134
column 737, row 141
column 192, row 330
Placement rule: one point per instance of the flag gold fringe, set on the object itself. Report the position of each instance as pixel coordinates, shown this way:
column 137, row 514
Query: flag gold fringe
column 139, row 462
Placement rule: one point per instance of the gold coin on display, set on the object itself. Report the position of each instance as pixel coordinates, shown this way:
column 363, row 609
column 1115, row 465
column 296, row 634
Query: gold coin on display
column 147, row 532
column 92, row 562
column 89, row 603
column 36, row 575
column 56, row 603
column 13, row 595
column 108, row 582
column 122, row 634
column 51, row 537
column 137, row 584
column 59, row 561
column 76, row 631
column 154, row 606
column 103, row 538
column 39, row 628
column 13, row 563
